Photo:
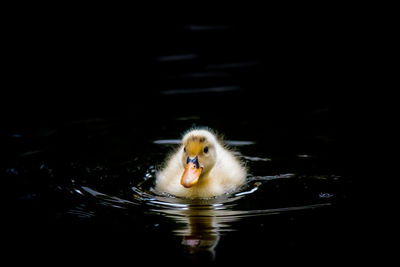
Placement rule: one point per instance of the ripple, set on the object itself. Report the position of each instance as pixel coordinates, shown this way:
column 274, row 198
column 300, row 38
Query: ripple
column 273, row 177
column 196, row 27
column 81, row 212
column 200, row 223
column 219, row 89
column 107, row 199
column 178, row 57
column 221, row 206
column 255, row 158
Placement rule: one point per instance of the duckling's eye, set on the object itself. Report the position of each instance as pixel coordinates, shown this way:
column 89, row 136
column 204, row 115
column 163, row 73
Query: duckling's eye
column 184, row 149
column 206, row 149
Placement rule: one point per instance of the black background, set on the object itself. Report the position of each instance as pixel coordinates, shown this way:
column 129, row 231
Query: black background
column 62, row 66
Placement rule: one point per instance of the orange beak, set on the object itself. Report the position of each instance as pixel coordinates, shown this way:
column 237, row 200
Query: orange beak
column 191, row 174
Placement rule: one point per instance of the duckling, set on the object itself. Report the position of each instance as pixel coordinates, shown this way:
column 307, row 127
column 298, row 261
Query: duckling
column 200, row 168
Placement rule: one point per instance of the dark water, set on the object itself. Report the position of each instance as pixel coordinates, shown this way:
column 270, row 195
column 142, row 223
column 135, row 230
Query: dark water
column 81, row 150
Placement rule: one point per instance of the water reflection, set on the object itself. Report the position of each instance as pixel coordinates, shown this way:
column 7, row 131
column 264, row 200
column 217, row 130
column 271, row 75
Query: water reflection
column 200, row 223
column 201, row 228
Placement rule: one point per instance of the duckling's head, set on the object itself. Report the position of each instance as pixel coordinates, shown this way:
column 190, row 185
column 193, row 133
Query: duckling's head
column 198, row 156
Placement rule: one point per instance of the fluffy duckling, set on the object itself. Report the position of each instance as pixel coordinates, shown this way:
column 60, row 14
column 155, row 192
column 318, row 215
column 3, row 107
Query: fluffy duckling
column 201, row 168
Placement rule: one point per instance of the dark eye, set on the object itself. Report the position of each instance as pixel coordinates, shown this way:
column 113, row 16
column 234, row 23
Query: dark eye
column 184, row 149
column 206, row 149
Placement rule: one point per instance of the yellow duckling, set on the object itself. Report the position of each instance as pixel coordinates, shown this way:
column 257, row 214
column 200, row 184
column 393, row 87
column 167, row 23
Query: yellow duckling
column 201, row 168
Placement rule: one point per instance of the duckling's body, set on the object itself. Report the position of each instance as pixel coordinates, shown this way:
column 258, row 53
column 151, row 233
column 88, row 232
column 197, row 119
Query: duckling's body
column 220, row 170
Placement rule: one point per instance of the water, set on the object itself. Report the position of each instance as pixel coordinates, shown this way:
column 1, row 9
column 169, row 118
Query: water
column 82, row 170
column 89, row 185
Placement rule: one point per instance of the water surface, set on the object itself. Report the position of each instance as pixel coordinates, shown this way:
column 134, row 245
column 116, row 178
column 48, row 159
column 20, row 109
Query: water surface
column 92, row 181
column 81, row 157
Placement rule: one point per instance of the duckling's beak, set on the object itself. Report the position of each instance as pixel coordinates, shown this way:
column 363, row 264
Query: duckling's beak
column 192, row 172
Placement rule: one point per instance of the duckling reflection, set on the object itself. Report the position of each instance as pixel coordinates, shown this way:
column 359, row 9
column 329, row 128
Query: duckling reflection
column 200, row 235
column 201, row 226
